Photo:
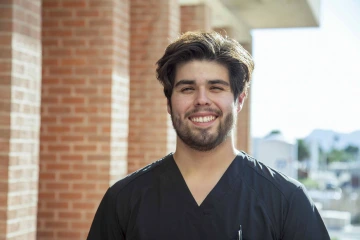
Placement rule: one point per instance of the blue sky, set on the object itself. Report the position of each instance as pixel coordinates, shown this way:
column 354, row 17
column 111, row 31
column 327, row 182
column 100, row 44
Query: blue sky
column 308, row 78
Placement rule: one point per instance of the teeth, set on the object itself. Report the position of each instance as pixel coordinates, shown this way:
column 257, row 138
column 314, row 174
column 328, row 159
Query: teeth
column 203, row 119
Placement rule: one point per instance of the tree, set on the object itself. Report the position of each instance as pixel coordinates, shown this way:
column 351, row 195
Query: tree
column 275, row 132
column 349, row 153
column 352, row 151
column 303, row 150
column 337, row 155
column 322, row 157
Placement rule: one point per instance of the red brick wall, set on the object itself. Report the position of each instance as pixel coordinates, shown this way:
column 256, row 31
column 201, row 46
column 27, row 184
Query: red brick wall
column 195, row 17
column 20, row 74
column 153, row 24
column 5, row 111
column 84, row 111
column 85, row 108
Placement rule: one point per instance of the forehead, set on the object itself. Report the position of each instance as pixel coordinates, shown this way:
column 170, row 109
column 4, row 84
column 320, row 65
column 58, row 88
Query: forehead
column 201, row 71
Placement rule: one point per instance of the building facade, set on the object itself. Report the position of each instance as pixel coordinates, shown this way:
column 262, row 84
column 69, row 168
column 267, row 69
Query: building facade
column 80, row 106
column 278, row 153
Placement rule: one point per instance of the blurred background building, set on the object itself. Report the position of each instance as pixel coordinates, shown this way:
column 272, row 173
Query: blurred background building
column 277, row 152
column 80, row 105
column 328, row 164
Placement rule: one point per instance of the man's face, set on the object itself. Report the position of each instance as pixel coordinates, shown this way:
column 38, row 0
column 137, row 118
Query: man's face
column 203, row 111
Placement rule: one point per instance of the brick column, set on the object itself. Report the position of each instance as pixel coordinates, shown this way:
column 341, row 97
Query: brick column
column 195, row 17
column 20, row 84
column 153, row 24
column 84, row 113
column 243, row 136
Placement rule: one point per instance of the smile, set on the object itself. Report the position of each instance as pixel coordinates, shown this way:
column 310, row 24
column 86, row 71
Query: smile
column 203, row 119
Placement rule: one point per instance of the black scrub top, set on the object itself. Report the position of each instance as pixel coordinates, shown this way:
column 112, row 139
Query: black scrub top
column 155, row 203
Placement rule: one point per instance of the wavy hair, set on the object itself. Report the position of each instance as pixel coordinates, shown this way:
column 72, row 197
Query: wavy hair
column 209, row 46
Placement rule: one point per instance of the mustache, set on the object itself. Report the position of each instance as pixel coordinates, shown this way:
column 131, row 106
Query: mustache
column 207, row 109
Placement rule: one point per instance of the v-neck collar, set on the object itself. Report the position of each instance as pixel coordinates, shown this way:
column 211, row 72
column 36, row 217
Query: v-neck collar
column 216, row 195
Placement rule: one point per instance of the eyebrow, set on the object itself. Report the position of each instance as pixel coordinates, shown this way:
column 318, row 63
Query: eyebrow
column 192, row 82
column 218, row 81
column 184, row 82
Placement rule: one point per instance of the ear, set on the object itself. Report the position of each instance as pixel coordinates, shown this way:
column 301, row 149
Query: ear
column 240, row 101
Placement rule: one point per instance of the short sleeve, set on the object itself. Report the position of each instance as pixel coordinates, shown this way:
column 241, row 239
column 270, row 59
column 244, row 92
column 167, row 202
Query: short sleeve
column 302, row 219
column 106, row 225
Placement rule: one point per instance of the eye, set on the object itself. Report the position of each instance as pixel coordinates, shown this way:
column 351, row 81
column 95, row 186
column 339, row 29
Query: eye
column 216, row 88
column 187, row 89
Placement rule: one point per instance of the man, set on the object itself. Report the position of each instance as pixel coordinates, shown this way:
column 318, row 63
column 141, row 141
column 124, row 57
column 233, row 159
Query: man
column 206, row 189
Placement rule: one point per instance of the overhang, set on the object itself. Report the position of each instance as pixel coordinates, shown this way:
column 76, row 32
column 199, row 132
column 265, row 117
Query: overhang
column 243, row 15
column 276, row 13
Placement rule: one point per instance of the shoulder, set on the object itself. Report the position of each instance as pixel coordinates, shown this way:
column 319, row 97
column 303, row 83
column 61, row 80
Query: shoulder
column 284, row 200
column 114, row 210
column 141, row 178
column 262, row 178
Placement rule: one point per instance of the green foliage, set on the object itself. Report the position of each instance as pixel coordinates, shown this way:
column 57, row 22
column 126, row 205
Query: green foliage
column 353, row 151
column 275, row 132
column 349, row 153
column 309, row 183
column 336, row 155
column 303, row 150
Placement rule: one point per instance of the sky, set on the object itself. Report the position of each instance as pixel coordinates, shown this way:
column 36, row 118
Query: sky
column 308, row 78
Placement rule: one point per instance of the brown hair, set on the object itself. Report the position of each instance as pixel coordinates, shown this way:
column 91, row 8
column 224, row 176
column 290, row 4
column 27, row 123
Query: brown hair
column 210, row 46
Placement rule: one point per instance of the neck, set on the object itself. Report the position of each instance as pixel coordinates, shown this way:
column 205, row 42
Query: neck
column 191, row 161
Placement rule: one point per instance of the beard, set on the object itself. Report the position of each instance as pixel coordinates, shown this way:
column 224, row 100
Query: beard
column 201, row 139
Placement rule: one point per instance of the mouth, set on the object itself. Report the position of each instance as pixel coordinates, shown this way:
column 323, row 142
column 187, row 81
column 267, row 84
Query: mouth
column 202, row 119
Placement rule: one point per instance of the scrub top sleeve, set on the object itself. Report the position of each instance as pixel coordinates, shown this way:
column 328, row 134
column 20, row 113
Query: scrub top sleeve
column 106, row 225
column 302, row 219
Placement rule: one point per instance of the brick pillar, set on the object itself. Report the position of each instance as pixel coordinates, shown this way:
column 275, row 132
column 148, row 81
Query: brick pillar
column 243, row 136
column 153, row 24
column 20, row 89
column 84, row 111
column 195, row 17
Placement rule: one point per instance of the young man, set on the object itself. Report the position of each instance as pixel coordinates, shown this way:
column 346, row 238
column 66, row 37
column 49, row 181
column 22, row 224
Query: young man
column 206, row 189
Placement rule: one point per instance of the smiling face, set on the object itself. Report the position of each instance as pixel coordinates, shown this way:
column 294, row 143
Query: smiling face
column 203, row 111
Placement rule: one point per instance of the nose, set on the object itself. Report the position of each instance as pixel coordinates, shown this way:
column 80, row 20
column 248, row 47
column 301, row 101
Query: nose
column 202, row 98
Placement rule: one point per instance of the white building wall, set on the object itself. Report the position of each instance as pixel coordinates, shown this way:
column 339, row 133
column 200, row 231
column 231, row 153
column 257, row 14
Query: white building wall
column 278, row 155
